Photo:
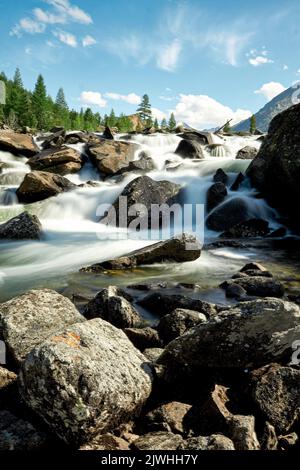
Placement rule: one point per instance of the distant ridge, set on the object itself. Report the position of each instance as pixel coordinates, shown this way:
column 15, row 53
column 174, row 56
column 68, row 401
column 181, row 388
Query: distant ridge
column 268, row 112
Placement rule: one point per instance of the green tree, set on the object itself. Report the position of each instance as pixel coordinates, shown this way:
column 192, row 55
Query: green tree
column 252, row 124
column 144, row 110
column 17, row 80
column 172, row 122
column 164, row 124
column 39, row 104
column 155, row 124
column 61, row 108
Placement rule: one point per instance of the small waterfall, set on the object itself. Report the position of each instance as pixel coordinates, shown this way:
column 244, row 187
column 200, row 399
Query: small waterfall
column 8, row 197
column 218, row 150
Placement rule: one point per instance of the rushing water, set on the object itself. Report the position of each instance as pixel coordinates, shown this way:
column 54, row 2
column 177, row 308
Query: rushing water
column 73, row 237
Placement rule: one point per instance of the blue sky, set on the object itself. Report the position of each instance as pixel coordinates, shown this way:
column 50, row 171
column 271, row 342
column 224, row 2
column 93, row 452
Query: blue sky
column 206, row 61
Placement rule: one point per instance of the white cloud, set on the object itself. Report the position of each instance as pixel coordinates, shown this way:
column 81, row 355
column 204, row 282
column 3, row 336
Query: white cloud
column 158, row 114
column 285, row 67
column 270, row 90
column 92, row 98
column 204, row 112
column 131, row 98
column 260, row 60
column 67, row 38
column 88, row 41
column 27, row 25
column 71, row 12
column 48, row 18
column 168, row 57
column 28, row 50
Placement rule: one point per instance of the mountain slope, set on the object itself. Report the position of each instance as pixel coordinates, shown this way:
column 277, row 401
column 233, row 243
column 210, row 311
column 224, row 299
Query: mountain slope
column 269, row 111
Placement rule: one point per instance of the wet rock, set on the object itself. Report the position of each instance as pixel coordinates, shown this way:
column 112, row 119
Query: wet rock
column 237, row 182
column 19, row 435
column 234, row 291
column 143, row 165
column 177, row 323
column 106, row 442
column 221, row 176
column 114, row 308
column 216, row 195
column 152, row 354
column 22, row 227
column 189, row 149
column 108, row 134
column 110, row 156
column 249, row 335
column 276, row 392
column 269, row 439
column 162, row 304
column 173, row 414
column 257, row 286
column 62, row 161
column 40, row 185
column 252, row 228
column 233, row 212
column 253, row 267
column 213, row 442
column 85, row 381
column 247, row 153
column 27, row 320
column 242, row 432
column 143, row 338
column 158, row 441
column 55, row 140
column 18, row 144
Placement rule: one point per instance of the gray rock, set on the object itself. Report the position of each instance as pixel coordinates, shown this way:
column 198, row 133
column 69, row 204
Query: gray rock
column 247, row 153
column 40, row 185
column 229, row 214
column 158, row 441
column 152, row 354
column 213, row 442
column 242, row 432
column 17, row 434
column 189, row 149
column 26, row 321
column 143, row 338
column 85, row 381
column 178, row 322
column 162, row 304
column 106, row 442
column 22, row 227
column 258, row 286
column 112, row 307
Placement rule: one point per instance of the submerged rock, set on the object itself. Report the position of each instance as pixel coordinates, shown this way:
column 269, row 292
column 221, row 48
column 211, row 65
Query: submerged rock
column 29, row 319
column 224, row 217
column 40, row 185
column 221, row 176
column 216, row 195
column 61, row 161
column 22, row 227
column 85, row 381
column 18, row 144
column 259, row 286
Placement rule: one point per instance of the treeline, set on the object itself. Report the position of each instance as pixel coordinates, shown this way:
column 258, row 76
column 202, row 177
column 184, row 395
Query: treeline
column 37, row 109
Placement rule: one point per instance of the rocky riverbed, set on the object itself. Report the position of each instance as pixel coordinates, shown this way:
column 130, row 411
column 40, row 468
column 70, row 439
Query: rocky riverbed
column 113, row 343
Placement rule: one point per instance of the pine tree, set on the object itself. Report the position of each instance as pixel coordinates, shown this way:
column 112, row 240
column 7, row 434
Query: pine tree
column 252, row 124
column 156, row 125
column 17, row 80
column 62, row 110
column 144, row 110
column 172, row 122
column 164, row 124
column 39, row 102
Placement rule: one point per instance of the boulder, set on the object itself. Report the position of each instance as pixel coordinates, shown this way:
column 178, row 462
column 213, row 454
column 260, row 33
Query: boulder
column 180, row 249
column 40, row 185
column 276, row 392
column 247, row 153
column 142, row 190
column 237, row 182
column 242, row 432
column 144, row 164
column 249, row 335
column 173, row 414
column 216, row 195
column 275, row 172
column 114, row 308
column 19, row 435
column 189, row 149
column 108, row 133
column 55, row 140
column 110, row 156
column 158, row 441
column 61, row 161
column 258, row 286
column 213, row 442
column 18, row 144
column 235, row 291
column 232, row 212
column 221, row 176
column 85, row 381
column 177, row 323
column 143, row 338
column 22, row 227
column 29, row 319
column 252, row 228
column 152, row 354
column 161, row 304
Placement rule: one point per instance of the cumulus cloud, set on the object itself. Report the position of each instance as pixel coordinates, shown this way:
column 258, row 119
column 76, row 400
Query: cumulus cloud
column 204, row 112
column 66, row 38
column 168, row 57
column 131, row 98
column 270, row 90
column 88, row 41
column 92, row 98
column 27, row 25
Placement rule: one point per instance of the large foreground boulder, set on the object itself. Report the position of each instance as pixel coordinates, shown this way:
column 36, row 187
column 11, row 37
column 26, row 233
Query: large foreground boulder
column 85, row 381
column 61, row 161
column 29, row 319
column 189, row 149
column 252, row 334
column 179, row 249
column 143, row 191
column 22, row 227
column 276, row 169
column 18, row 144
column 110, row 156
column 40, row 185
